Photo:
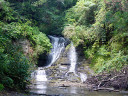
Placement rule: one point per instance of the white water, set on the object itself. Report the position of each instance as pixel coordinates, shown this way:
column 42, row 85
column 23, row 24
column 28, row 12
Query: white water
column 72, row 58
column 73, row 62
column 83, row 77
column 40, row 74
column 58, row 47
column 40, row 78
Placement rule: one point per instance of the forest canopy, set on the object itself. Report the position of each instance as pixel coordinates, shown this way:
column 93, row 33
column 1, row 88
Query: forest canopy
column 101, row 27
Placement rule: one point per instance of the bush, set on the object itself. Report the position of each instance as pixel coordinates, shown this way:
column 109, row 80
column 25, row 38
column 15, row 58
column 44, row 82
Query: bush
column 7, row 82
column 14, row 68
column 6, row 13
column 1, row 87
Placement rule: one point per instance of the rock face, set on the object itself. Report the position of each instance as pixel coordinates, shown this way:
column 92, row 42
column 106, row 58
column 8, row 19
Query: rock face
column 62, row 62
column 25, row 44
column 60, row 69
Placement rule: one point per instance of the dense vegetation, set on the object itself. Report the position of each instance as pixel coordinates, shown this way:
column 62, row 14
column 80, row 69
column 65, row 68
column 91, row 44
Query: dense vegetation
column 100, row 27
column 15, row 65
column 47, row 15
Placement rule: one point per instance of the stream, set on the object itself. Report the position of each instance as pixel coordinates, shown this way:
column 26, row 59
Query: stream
column 42, row 85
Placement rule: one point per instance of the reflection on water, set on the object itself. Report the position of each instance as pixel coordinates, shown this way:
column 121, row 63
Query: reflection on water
column 39, row 88
column 44, row 89
column 73, row 90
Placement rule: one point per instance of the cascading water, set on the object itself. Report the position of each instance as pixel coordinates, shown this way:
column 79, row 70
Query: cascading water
column 72, row 58
column 83, row 77
column 58, row 44
column 40, row 74
column 73, row 62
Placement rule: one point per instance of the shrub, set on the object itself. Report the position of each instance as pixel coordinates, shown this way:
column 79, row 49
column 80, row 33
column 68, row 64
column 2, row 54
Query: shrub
column 7, row 82
column 1, row 87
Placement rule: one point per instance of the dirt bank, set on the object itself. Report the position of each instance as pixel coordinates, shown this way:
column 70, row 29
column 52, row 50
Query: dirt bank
column 118, row 80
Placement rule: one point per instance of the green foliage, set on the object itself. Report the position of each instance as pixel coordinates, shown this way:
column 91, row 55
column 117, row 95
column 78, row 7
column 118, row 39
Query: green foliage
column 14, row 64
column 48, row 15
column 101, row 26
column 69, row 3
column 1, row 87
column 116, row 61
column 18, row 70
column 6, row 13
column 82, row 13
column 16, row 30
column 7, row 82
column 79, row 18
column 39, row 2
column 13, row 68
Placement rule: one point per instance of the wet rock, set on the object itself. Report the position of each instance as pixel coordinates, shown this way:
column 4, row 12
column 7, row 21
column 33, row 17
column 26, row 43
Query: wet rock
column 67, row 64
column 64, row 68
column 72, row 77
column 63, row 86
column 49, row 72
column 60, row 68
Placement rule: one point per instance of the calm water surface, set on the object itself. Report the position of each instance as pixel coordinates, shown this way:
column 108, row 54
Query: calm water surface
column 45, row 89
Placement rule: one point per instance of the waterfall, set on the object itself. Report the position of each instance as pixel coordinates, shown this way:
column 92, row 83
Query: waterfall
column 83, row 77
column 72, row 58
column 73, row 62
column 40, row 74
column 58, row 44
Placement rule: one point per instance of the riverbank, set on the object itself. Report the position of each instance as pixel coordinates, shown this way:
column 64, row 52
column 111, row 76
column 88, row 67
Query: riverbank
column 117, row 80
column 11, row 93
